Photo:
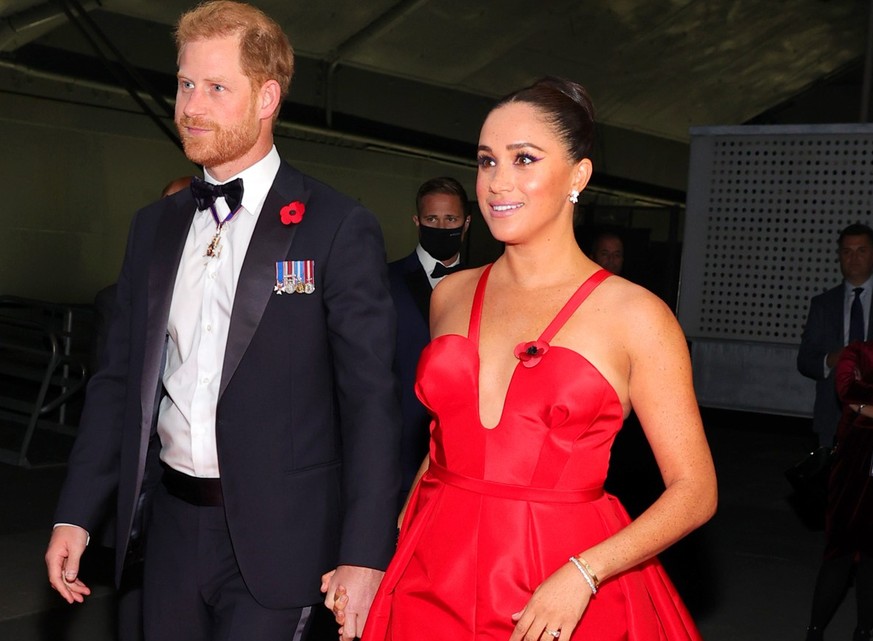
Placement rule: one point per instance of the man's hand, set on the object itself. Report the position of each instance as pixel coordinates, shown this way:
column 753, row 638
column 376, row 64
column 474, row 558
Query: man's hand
column 62, row 560
column 360, row 586
column 833, row 357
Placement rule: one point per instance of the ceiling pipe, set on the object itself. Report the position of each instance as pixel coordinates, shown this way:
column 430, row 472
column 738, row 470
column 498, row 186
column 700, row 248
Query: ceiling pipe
column 867, row 82
column 126, row 75
column 95, row 36
column 14, row 29
column 304, row 132
column 375, row 28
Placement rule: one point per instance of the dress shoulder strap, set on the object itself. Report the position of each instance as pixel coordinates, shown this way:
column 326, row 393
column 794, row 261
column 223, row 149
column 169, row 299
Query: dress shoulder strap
column 572, row 305
column 476, row 312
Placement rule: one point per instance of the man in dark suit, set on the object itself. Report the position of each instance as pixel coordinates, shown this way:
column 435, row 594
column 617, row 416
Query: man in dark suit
column 442, row 221
column 607, row 250
column 244, row 412
column 837, row 317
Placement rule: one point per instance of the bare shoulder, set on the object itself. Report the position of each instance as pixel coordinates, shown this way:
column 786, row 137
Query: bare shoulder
column 617, row 290
column 638, row 312
column 456, row 285
column 452, row 300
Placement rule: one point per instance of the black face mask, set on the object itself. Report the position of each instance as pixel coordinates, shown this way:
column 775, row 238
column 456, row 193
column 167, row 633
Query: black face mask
column 442, row 244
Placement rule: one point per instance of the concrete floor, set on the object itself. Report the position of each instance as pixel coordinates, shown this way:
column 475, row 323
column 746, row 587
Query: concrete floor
column 746, row 576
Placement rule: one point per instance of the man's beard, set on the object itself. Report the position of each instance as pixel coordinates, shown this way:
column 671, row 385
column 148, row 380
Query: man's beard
column 223, row 144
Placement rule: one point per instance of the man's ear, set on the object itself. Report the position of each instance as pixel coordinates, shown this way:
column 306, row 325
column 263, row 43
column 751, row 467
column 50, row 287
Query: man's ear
column 270, row 99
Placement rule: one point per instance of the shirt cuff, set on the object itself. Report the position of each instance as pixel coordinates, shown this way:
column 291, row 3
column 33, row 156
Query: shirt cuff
column 87, row 541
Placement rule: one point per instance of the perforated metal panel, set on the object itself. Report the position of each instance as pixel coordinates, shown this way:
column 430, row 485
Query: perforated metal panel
column 765, row 207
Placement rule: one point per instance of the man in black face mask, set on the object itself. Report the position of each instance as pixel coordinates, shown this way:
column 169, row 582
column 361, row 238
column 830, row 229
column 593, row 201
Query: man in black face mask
column 442, row 221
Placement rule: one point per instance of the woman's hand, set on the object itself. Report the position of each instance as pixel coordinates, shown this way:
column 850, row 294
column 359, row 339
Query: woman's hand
column 556, row 605
column 864, row 410
column 858, row 408
column 340, row 601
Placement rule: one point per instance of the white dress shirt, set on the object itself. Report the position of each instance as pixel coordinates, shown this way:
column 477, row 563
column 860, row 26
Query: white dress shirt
column 428, row 262
column 198, row 325
column 849, row 298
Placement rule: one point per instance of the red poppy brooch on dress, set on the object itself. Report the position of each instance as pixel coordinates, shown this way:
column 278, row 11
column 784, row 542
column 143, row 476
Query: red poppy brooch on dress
column 531, row 352
column 292, row 213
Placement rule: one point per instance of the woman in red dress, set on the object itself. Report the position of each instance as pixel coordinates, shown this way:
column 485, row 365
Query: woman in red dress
column 535, row 362
column 849, row 520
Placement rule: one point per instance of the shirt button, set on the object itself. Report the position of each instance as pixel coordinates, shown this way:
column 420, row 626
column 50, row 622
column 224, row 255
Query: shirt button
column 204, row 380
column 208, row 328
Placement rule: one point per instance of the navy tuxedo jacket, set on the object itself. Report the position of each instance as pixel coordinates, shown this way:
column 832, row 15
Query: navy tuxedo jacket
column 411, row 290
column 307, row 421
column 823, row 333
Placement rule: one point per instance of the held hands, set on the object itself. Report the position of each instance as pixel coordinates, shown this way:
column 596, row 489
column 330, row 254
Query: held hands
column 349, row 592
column 62, row 561
column 556, row 605
column 339, row 603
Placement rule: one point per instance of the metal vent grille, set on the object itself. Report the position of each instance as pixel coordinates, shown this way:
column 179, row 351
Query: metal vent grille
column 765, row 207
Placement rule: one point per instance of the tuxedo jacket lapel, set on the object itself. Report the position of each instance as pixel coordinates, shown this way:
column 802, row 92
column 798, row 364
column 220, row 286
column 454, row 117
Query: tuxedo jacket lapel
column 169, row 243
column 419, row 287
column 834, row 313
column 271, row 242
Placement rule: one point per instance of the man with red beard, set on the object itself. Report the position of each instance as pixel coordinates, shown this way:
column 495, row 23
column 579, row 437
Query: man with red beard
column 244, row 415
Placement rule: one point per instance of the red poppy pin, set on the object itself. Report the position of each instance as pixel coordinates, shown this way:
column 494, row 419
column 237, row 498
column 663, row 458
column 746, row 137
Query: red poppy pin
column 292, row 213
column 530, row 353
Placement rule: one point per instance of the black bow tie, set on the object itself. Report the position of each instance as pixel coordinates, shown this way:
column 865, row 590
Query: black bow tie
column 205, row 193
column 441, row 270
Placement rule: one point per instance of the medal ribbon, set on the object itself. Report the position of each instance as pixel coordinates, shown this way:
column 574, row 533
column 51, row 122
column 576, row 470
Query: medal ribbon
column 309, row 267
column 222, row 223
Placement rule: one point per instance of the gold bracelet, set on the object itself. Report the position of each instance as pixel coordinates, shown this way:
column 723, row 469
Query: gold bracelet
column 590, row 571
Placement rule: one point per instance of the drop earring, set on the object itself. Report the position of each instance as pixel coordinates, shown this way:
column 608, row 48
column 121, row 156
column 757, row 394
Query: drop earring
column 574, row 196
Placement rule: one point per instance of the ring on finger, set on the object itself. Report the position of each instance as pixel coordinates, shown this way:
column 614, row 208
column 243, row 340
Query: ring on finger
column 553, row 633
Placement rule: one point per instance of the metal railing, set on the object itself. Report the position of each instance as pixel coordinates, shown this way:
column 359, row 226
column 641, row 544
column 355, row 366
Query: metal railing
column 42, row 368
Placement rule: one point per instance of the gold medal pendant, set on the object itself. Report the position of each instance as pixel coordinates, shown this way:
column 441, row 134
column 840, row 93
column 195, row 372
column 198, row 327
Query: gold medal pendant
column 213, row 249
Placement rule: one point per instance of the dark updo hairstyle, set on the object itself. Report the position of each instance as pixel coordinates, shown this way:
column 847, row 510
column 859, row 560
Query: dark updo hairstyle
column 566, row 107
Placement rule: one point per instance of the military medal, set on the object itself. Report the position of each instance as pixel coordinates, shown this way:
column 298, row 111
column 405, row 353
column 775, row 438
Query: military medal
column 214, row 246
column 309, row 276
column 213, row 249
column 295, row 277
column 205, row 194
column 299, row 286
column 281, row 269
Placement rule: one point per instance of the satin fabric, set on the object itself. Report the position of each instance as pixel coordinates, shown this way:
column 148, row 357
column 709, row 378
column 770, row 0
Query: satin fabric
column 501, row 509
column 849, row 519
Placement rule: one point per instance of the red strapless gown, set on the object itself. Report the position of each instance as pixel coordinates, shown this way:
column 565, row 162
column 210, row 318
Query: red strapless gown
column 500, row 509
